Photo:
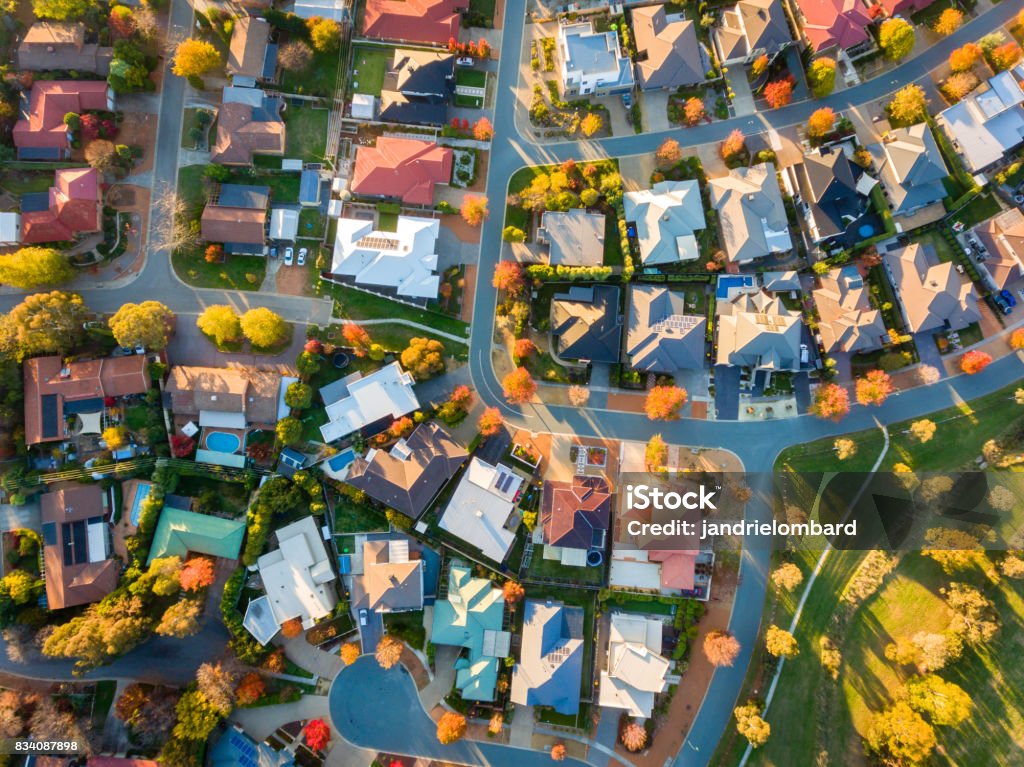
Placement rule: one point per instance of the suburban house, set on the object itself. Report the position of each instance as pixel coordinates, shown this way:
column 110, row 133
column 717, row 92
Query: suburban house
column 669, row 54
column 236, row 215
column 574, row 237
column 297, row 578
column 663, row 334
column 550, row 667
column 901, row 7
column 834, row 24
column 41, row 134
column 335, row 10
column 234, row 748
column 367, row 404
column 73, row 206
column 248, row 123
column 402, row 263
column 666, row 218
column 932, row 295
column 52, row 46
column 781, row 282
column 252, row 58
column 987, row 125
column 586, row 324
column 635, row 670
column 284, row 225
column 403, row 168
column 77, row 566
column 911, row 168
column 409, row 476
column 592, row 63
column 65, row 399
column 432, row 22
column 832, row 202
column 473, row 617
column 10, row 228
column 752, row 216
column 575, row 516
column 417, row 87
column 756, row 331
column 751, row 29
column 180, row 531
column 1003, row 239
column 482, row 510
column 848, row 323
column 393, row 576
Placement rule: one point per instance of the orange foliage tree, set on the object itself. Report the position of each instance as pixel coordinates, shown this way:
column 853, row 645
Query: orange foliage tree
column 974, row 361
column 1017, row 339
column 778, row 93
column 558, row 752
column 450, row 727
column 831, row 401
column 483, row 130
column 734, row 144
column 693, row 110
column 250, row 689
column 633, row 737
column 721, row 648
column 196, row 574
column 821, row 122
column 518, row 386
column 874, row 388
column 490, row 422
column 474, row 209
column 291, row 628
column 513, row 591
column 389, row 651
column 356, row 337
column 664, row 403
column 965, row 57
column 350, row 652
column 508, row 276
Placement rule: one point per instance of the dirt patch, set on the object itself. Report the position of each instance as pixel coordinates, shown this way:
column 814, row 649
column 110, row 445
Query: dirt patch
column 468, row 292
column 139, row 129
column 630, row 403
column 415, row 667
column 480, row 185
column 295, row 280
column 461, row 229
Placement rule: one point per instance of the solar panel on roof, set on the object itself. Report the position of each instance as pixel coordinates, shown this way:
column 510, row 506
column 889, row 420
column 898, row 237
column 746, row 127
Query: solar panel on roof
column 49, row 533
column 68, row 544
column 48, row 404
column 81, row 536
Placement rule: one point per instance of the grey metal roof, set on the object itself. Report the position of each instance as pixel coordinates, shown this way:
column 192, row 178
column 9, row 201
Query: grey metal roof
column 663, row 336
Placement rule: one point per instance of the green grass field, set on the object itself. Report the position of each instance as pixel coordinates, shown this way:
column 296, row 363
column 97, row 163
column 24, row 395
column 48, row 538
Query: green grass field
column 357, row 305
column 306, row 137
column 371, row 63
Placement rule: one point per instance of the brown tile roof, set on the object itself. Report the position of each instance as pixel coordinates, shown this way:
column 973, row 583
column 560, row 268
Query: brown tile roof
column 75, row 204
column 391, row 586
column 53, row 46
column 248, row 47
column 931, row 292
column 226, row 224
column 47, row 377
column 420, row 21
column 401, row 167
column 572, row 511
column 49, row 102
column 71, row 578
column 224, row 390
column 1003, row 237
column 239, row 136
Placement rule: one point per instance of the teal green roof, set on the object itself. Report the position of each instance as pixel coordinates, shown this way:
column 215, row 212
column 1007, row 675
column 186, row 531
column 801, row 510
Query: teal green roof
column 179, row 532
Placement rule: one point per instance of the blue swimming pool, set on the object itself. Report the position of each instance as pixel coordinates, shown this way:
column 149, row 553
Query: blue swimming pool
column 141, row 494
column 222, row 442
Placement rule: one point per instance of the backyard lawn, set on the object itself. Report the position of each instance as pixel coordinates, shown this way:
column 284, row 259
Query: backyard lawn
column 311, row 224
column 369, row 65
column 306, row 137
column 284, row 187
column 552, row 568
column 190, row 124
column 24, row 182
column 934, row 238
column 319, row 79
column 351, row 517
column 979, row 209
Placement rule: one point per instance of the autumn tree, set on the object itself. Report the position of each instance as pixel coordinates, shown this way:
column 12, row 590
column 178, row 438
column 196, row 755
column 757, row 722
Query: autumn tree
column 778, row 93
column 900, row 736
column 974, row 361
column 196, row 574
column 579, row 395
column 821, row 122
column 288, row 430
column 923, row 430
column 61, row 10
column 656, row 453
column 474, row 209
column 909, row 104
column 490, row 422
column 513, row 234
column 663, row 403
column 949, row 21
column 324, row 34
column 147, row 324
column 350, row 652
column 874, row 387
column 523, row 348
column 831, row 401
column 633, row 736
column 1012, row 565
column 250, row 689
column 591, row 124
column 1005, row 56
column 668, row 153
column 513, row 592
column 831, row 658
column 1017, row 339
column 845, row 448
column 43, row 323
column 34, row 267
column 821, row 76
column 103, row 632
column 751, row 725
column 509, row 276
column 896, row 38
column 194, row 58
column 721, row 648
column 389, row 651
column 928, row 375
column 101, row 155
column 760, row 65
column 483, row 130
column 946, row 704
column 216, row 683
column 787, row 577
column 115, row 437
column 958, row 85
column 780, row 643
column 180, row 619
column 264, row 328
column 423, row 357
column 693, row 110
column 295, row 56
column 518, row 386
column 357, row 338
column 975, row 619
column 558, row 752
column 450, row 727
column 298, row 395
column 964, row 58
column 733, row 145
column 318, row 734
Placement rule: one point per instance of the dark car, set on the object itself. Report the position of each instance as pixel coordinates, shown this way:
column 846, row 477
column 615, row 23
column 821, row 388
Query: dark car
column 1008, row 297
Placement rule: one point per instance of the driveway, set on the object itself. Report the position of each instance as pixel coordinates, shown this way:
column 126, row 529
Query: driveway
column 929, row 352
column 190, row 347
column 727, row 392
column 654, row 110
column 18, row 517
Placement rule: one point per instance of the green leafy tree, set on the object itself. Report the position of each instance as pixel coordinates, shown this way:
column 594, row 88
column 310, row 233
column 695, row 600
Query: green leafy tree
column 21, row 586
column 946, row 704
column 43, row 323
column 896, row 38
column 288, row 430
column 34, row 267
column 821, row 76
column 298, row 395
column 424, row 358
column 221, row 323
column 106, row 630
column 196, row 717
column 513, row 234
column 264, row 328
column 62, row 10
column 181, row 619
column 147, row 324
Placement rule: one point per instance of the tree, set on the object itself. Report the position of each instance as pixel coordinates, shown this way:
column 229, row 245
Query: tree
column 194, row 58
column 821, row 122
column 721, row 648
column 821, row 76
column 579, row 396
column 896, row 38
column 103, row 632
column 1017, row 339
column 389, row 651
column 1005, row 56
column 295, row 56
column 693, row 110
column 923, row 430
column 196, row 717
column 733, row 145
column 288, row 430
column 298, row 395
column 181, row 619
column 780, row 643
column 43, row 323
column 668, row 153
column 974, row 361
column 147, row 324
column 357, row 338
column 958, row 85
column 318, row 734
column 513, row 592
column 264, row 328
column 899, row 736
column 558, row 752
column 20, row 586
column 474, row 209
column 1013, row 565
column 509, row 276
column 663, row 403
column 518, row 386
column 450, row 727
column 250, row 689
column 656, row 453
column 778, row 93
column 513, row 234
column 220, row 323
column 116, row 437
column 101, row 155
column 975, row 619
column 831, row 401
column 946, row 704
column 61, row 10
column 350, row 652
column 831, row 658
column 424, row 358
column 490, row 422
column 787, row 576
column 196, row 574
column 523, row 348
column 964, row 58
column 591, row 124
column 34, row 267
column 760, row 65
column 131, row 702
column 324, row 34
column 845, row 448
column 909, row 104
column 874, row 387
column 483, row 130
column 751, row 726
column 216, row 683
column 182, row 446
column 949, row 21
column 633, row 736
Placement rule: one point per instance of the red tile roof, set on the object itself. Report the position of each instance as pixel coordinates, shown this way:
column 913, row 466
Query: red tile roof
column 49, row 102
column 677, row 568
column 400, row 167
column 902, row 7
column 74, row 208
column 572, row 511
column 834, row 23
column 419, row 21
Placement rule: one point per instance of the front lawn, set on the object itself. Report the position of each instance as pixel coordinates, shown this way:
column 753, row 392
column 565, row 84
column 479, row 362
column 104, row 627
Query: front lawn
column 471, row 78
column 483, row 11
column 350, row 303
column 981, row 208
column 235, row 273
column 306, row 136
column 369, row 65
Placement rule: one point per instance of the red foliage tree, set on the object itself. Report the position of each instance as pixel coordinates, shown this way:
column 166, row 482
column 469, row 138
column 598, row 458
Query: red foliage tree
column 214, row 252
column 874, row 388
column 122, row 23
column 455, row 123
column 461, row 396
column 524, row 348
column 490, row 422
column 313, row 346
column 317, row 734
column 664, row 402
column 831, row 401
column 182, row 446
column 452, row 45
column 196, row 574
column 508, row 276
column 356, row 337
column 874, row 11
column 250, row 689
column 518, row 386
column 779, row 93
column 90, row 127
column 975, row 361
column 464, row 125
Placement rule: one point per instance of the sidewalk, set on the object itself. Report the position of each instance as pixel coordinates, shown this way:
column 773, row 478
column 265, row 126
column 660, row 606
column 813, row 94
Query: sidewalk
column 315, row 661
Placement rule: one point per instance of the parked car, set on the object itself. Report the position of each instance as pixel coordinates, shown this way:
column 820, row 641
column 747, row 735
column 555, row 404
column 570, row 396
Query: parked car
column 273, row 251
column 303, row 252
column 289, row 254
column 1002, row 303
column 627, row 100
column 1008, row 297
column 362, row 617
column 464, row 61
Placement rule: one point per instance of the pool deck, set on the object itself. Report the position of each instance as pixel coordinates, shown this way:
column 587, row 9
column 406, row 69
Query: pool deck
column 240, row 434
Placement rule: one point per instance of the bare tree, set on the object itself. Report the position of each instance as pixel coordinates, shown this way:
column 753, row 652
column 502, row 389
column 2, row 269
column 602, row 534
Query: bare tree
column 169, row 227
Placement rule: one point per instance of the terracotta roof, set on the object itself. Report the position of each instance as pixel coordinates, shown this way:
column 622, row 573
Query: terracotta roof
column 76, row 573
column 93, row 379
column 571, row 512
column 1004, row 237
column 248, row 47
column 421, row 21
column 392, row 576
column 834, row 23
column 48, row 104
column 222, row 224
column 240, row 136
column 231, row 390
column 677, row 568
column 74, row 208
column 400, row 167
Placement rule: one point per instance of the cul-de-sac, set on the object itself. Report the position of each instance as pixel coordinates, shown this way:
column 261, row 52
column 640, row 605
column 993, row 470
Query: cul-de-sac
column 360, row 361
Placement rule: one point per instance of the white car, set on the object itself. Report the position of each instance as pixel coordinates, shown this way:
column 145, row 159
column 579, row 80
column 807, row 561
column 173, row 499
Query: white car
column 289, row 255
column 362, row 617
column 303, row 252
column 464, row 61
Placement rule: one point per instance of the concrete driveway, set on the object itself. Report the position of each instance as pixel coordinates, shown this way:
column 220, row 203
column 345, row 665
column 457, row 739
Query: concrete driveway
column 190, row 347
column 654, row 110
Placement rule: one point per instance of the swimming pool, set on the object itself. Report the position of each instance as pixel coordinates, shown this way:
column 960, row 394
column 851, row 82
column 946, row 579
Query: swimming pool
column 223, row 442
column 141, row 494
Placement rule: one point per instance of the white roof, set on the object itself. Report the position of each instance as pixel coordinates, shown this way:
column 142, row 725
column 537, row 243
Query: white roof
column 666, row 216
column 364, row 106
column 293, row 575
column 636, row 670
column 10, row 228
column 633, row 570
column 405, row 259
column 259, row 620
column 224, row 420
column 988, row 123
column 284, row 224
column 385, row 392
column 282, row 407
column 327, row 9
column 480, row 506
column 97, row 534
